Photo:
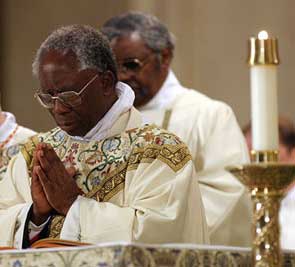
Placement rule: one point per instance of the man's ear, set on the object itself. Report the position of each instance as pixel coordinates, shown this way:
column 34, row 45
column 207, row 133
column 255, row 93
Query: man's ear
column 166, row 58
column 108, row 82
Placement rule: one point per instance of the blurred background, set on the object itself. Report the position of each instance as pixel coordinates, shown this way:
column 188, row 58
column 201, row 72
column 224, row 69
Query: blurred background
column 210, row 55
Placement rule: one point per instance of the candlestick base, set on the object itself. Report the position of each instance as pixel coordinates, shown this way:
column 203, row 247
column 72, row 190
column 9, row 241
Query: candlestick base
column 267, row 183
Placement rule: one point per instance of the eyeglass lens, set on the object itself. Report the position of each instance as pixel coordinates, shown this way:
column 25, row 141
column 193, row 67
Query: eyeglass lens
column 132, row 65
column 67, row 98
column 70, row 98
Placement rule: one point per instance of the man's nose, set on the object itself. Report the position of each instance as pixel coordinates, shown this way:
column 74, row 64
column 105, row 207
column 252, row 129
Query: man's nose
column 60, row 107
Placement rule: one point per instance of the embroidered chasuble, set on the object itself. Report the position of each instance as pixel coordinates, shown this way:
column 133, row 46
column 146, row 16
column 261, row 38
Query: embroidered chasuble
column 138, row 185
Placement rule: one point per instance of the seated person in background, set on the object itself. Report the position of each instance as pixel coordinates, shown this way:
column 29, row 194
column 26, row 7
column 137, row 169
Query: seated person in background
column 10, row 132
column 143, row 47
column 10, row 135
column 286, row 155
column 123, row 181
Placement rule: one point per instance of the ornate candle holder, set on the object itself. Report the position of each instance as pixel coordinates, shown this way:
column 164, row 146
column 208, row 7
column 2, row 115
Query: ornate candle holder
column 267, row 182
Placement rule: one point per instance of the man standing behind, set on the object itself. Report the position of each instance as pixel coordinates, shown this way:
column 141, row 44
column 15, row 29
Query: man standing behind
column 144, row 48
column 100, row 176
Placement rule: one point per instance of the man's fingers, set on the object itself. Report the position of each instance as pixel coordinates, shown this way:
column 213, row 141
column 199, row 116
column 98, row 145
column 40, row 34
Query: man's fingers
column 43, row 180
column 35, row 158
column 50, row 153
column 71, row 171
column 44, row 163
column 48, row 159
column 41, row 146
column 36, row 185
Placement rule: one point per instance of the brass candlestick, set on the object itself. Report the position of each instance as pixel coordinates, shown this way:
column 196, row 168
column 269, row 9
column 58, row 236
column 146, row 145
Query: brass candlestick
column 267, row 182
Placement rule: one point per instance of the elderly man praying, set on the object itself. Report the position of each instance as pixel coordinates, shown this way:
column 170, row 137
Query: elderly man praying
column 100, row 175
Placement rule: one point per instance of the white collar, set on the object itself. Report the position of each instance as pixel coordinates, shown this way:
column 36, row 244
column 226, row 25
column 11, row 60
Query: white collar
column 170, row 89
column 123, row 104
column 8, row 126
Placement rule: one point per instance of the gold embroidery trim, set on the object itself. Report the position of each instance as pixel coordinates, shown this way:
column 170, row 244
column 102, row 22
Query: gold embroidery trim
column 55, row 226
column 28, row 149
column 111, row 185
column 175, row 156
column 166, row 120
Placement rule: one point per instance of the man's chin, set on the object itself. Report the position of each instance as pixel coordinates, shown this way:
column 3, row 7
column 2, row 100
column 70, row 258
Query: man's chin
column 142, row 96
column 71, row 130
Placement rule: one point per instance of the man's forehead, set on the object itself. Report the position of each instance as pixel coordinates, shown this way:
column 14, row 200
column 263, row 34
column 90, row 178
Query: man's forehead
column 129, row 46
column 49, row 67
column 134, row 36
column 57, row 70
column 61, row 58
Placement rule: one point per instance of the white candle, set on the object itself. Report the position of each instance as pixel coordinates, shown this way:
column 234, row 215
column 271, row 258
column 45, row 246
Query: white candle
column 264, row 107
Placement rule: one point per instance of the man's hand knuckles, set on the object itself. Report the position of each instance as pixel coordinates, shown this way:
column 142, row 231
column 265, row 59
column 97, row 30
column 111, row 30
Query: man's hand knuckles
column 51, row 155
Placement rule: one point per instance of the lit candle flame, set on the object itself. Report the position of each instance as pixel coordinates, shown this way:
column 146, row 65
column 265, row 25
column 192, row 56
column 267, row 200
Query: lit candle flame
column 263, row 35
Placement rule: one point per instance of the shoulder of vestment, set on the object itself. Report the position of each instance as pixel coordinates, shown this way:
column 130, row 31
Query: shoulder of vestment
column 153, row 143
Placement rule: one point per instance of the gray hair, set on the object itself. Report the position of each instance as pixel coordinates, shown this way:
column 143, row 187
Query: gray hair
column 89, row 45
column 154, row 33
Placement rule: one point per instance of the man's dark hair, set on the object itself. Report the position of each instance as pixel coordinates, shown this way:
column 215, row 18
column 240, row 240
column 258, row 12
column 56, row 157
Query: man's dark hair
column 154, row 33
column 89, row 45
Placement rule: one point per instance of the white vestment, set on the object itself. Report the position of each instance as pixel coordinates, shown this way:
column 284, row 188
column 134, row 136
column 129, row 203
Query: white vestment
column 11, row 128
column 138, row 184
column 11, row 135
column 211, row 131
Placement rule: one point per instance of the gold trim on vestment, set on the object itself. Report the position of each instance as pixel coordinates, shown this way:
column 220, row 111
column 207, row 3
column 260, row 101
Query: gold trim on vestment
column 110, row 184
column 27, row 150
column 166, row 120
column 56, row 225
column 175, row 156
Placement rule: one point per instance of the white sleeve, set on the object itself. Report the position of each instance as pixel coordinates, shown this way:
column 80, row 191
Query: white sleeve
column 110, row 220
column 71, row 227
column 226, row 201
column 20, row 226
column 15, row 201
column 21, row 223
